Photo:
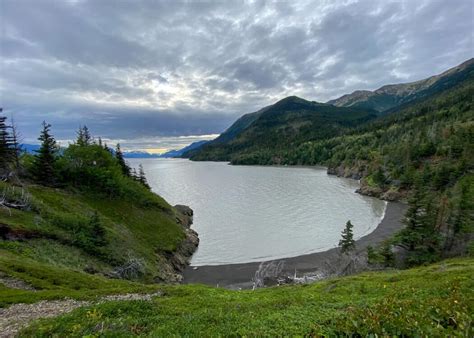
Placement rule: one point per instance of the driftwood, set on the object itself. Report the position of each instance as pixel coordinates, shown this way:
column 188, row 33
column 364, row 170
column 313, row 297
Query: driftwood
column 133, row 268
column 341, row 265
column 267, row 270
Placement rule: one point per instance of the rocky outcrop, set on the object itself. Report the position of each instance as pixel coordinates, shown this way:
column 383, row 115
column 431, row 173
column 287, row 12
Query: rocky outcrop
column 180, row 258
column 390, row 193
column 356, row 172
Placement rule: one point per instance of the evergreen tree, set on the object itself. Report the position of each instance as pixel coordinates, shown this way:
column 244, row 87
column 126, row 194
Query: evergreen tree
column 379, row 177
column 142, row 177
column 4, row 144
column 106, row 147
column 121, row 161
column 97, row 231
column 80, row 136
column 15, row 144
column 44, row 162
column 347, row 242
column 84, row 137
column 133, row 174
column 421, row 236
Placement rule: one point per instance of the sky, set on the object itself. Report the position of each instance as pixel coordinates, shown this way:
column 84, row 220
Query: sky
column 157, row 75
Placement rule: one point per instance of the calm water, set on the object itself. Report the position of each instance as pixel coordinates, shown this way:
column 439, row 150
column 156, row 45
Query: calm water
column 249, row 213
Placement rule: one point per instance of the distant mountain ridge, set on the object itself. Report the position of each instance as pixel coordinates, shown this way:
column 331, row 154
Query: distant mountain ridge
column 263, row 136
column 390, row 96
column 33, row 148
column 139, row 154
column 178, row 153
column 289, row 121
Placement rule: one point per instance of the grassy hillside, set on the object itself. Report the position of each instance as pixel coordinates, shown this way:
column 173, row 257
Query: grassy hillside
column 54, row 230
column 281, row 127
column 90, row 213
column 52, row 275
column 436, row 300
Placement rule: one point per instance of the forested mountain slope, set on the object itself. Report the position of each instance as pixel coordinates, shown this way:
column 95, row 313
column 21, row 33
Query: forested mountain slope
column 281, row 126
column 421, row 151
column 424, row 152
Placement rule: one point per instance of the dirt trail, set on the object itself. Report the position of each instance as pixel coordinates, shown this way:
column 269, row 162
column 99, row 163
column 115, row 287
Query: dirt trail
column 18, row 316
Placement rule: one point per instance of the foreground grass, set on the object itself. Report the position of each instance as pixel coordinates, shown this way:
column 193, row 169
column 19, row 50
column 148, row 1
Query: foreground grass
column 52, row 282
column 429, row 301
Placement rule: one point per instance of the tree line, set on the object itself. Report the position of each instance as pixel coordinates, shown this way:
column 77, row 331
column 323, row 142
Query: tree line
column 53, row 166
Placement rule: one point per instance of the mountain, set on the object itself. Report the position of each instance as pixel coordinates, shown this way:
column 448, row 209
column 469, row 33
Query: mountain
column 139, row 154
column 178, row 153
column 420, row 151
column 390, row 96
column 281, row 126
column 30, row 148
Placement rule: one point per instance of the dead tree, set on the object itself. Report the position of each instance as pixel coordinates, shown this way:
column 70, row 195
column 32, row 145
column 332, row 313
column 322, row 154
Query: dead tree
column 132, row 269
column 267, row 270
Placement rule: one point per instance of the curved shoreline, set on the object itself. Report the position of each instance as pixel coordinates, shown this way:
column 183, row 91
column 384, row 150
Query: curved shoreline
column 240, row 275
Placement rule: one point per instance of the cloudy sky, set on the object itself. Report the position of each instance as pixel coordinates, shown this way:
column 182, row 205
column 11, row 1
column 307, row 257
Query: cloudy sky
column 161, row 74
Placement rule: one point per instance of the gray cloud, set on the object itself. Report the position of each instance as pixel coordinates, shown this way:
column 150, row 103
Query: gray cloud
column 151, row 69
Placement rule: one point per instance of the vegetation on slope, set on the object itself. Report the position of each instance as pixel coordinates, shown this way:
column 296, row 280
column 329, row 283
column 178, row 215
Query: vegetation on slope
column 430, row 301
column 422, row 151
column 282, row 126
column 89, row 213
column 426, row 148
column 51, row 277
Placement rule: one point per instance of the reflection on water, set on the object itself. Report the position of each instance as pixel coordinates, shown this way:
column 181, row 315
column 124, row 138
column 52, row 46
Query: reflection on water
column 252, row 213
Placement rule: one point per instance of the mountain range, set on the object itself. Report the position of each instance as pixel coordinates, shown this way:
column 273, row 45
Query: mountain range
column 292, row 121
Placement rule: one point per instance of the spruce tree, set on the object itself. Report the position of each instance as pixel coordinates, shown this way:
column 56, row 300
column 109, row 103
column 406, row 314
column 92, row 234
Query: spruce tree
column 4, row 144
column 84, row 137
column 142, row 177
column 97, row 231
column 121, row 161
column 15, row 144
column 347, row 242
column 44, row 162
column 80, row 137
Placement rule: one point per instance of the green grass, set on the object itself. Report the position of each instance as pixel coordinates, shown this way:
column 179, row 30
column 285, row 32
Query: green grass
column 56, row 282
column 436, row 300
column 57, row 215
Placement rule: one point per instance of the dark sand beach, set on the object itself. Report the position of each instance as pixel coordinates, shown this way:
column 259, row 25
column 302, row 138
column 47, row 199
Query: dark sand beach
column 240, row 275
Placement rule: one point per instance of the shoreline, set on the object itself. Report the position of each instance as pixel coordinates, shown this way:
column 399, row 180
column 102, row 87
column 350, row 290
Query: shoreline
column 240, row 275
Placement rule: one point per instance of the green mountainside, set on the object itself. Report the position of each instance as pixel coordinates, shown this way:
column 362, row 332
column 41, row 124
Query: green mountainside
column 421, row 152
column 281, row 126
column 262, row 137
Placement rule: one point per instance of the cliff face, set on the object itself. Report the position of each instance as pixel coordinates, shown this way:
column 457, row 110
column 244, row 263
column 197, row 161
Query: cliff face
column 179, row 259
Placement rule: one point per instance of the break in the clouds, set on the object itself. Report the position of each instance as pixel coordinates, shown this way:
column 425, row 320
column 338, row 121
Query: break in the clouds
column 157, row 70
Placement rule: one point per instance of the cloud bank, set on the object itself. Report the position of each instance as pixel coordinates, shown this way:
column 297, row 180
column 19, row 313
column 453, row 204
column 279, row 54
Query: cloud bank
column 159, row 69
